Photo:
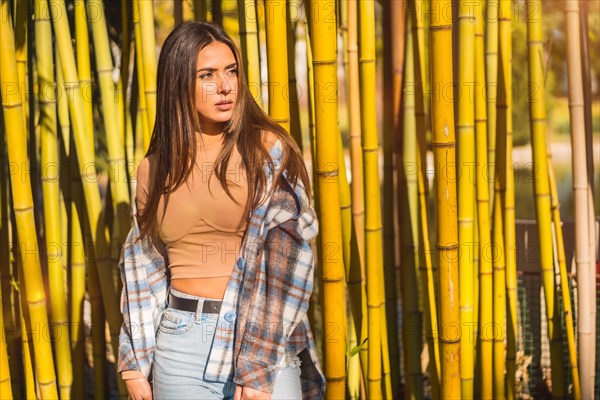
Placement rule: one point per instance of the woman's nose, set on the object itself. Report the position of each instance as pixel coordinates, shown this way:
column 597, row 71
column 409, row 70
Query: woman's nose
column 224, row 86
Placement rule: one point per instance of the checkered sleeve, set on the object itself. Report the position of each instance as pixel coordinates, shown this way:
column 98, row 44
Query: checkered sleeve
column 126, row 355
column 281, row 293
column 136, row 338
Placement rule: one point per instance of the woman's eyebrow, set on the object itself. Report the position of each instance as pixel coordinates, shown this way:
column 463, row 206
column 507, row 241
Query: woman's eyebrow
column 214, row 69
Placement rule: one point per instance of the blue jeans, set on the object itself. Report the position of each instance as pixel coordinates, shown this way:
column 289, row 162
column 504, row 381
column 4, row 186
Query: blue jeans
column 183, row 342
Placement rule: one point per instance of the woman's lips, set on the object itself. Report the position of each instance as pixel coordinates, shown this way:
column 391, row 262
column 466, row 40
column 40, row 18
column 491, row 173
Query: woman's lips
column 224, row 106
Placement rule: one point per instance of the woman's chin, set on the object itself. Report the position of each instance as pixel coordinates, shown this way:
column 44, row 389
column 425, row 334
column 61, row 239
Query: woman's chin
column 220, row 117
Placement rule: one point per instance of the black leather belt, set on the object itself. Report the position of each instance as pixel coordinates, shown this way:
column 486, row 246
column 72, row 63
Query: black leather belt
column 209, row 306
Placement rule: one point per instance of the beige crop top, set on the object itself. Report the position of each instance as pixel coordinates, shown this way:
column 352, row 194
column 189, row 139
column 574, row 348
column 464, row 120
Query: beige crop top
column 202, row 231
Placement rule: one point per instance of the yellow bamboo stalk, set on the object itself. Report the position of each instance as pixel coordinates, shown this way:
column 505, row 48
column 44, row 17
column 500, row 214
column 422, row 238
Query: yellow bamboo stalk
column 84, row 70
column 587, row 111
column 385, row 359
column 129, row 142
column 124, row 99
column 472, row 330
column 358, row 210
column 148, row 54
column 21, row 22
column 142, row 112
column 124, row 72
column 353, row 365
column 293, row 101
column 564, row 279
column 5, row 385
column 356, row 157
column 498, row 210
column 356, row 277
column 350, row 256
column 30, row 384
column 5, row 341
column 409, row 232
column 442, row 122
column 427, row 279
column 23, row 205
column 250, row 46
column 75, row 248
column 585, row 269
column 510, row 244
column 333, row 276
column 7, row 262
column 497, row 331
column 315, row 308
column 78, row 272
column 373, row 242
column 491, row 77
column 97, row 328
column 23, row 354
column 355, row 282
column 420, row 17
column 50, row 183
column 427, row 270
column 485, row 353
column 393, row 53
column 542, row 195
column 125, row 138
column 466, row 196
column 343, row 32
column 275, row 25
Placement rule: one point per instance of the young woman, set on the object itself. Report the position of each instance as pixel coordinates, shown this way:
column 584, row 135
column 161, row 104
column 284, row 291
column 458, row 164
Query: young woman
column 223, row 195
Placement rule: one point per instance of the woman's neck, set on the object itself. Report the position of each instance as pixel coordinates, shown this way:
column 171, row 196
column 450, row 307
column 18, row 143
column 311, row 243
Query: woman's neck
column 212, row 129
column 209, row 142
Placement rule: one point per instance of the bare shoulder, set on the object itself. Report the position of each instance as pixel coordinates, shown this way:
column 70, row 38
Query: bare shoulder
column 146, row 166
column 146, row 169
column 269, row 139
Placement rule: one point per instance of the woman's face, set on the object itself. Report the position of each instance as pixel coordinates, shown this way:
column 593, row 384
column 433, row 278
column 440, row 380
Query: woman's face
column 216, row 86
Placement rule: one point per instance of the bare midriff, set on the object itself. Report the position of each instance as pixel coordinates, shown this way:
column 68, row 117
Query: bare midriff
column 212, row 288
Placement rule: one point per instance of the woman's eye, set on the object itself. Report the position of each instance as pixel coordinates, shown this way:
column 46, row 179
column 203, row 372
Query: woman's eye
column 204, row 75
column 234, row 71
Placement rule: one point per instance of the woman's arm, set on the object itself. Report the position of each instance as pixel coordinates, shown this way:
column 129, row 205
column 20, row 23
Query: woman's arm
column 142, row 183
column 132, row 374
column 127, row 360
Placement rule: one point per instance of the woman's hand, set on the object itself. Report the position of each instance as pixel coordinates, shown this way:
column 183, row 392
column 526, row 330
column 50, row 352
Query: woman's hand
column 139, row 389
column 246, row 393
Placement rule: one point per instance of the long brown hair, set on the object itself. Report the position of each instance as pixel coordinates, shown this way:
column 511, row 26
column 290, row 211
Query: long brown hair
column 173, row 139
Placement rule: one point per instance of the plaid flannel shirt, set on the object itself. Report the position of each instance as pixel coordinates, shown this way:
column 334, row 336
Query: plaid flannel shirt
column 262, row 323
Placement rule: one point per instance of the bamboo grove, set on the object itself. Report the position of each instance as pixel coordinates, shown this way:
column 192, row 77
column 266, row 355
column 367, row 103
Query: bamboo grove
column 416, row 281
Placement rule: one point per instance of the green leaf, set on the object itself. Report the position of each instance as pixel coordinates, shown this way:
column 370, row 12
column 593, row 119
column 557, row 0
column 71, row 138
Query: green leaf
column 356, row 349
